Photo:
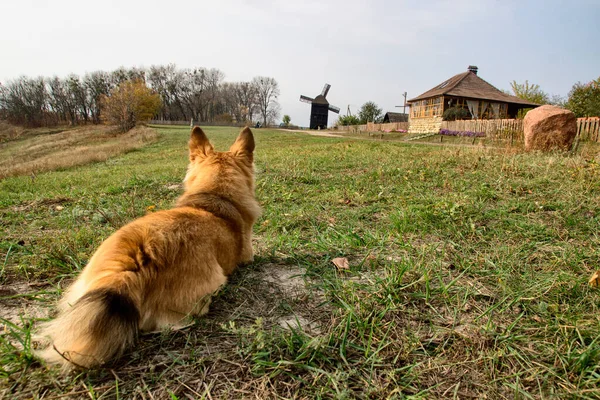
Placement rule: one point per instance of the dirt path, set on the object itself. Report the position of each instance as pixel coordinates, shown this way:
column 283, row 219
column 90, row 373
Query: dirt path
column 332, row 135
column 313, row 133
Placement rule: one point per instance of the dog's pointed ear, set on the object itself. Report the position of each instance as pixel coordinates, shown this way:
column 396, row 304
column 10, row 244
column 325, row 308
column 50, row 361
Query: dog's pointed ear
column 199, row 144
column 244, row 144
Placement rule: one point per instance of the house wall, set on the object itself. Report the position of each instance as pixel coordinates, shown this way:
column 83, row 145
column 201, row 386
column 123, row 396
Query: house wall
column 425, row 125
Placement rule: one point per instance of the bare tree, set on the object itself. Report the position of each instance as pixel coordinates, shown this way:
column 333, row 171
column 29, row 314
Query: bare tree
column 25, row 101
column 59, row 101
column 161, row 79
column 191, row 93
column 273, row 113
column 267, row 91
column 170, row 83
column 97, row 84
column 246, row 99
column 213, row 80
column 226, row 103
column 79, row 96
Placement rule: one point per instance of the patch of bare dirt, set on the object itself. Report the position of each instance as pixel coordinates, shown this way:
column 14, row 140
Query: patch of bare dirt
column 289, row 280
column 314, row 133
column 20, row 301
column 299, row 322
column 56, row 203
column 292, row 284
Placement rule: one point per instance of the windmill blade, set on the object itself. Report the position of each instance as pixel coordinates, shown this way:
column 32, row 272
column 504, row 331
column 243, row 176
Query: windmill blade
column 325, row 90
column 334, row 109
column 306, row 99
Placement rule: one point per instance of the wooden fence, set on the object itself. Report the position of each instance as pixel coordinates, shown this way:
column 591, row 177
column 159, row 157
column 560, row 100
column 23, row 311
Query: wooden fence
column 389, row 127
column 211, row 123
column 493, row 128
column 587, row 128
column 351, row 128
column 164, row 122
column 372, row 127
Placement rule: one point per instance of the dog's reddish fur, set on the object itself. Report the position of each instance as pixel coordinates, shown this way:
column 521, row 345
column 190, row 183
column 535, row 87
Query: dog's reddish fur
column 160, row 269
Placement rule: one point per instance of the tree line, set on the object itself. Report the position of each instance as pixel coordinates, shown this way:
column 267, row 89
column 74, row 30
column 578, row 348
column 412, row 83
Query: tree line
column 199, row 93
column 583, row 98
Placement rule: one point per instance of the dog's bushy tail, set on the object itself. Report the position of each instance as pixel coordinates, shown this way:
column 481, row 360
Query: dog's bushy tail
column 100, row 326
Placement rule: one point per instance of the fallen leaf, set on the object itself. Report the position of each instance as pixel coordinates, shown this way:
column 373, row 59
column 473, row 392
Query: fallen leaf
column 150, row 208
column 595, row 279
column 59, row 208
column 341, row 263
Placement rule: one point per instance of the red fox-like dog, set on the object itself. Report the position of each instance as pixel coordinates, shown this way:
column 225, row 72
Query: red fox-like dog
column 159, row 269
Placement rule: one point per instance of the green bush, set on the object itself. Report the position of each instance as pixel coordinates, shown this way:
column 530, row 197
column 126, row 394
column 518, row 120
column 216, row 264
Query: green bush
column 348, row 120
column 456, row 113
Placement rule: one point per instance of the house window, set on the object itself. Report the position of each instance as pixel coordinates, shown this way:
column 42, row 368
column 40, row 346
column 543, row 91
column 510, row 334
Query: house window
column 487, row 113
column 460, row 103
column 427, row 108
column 503, row 110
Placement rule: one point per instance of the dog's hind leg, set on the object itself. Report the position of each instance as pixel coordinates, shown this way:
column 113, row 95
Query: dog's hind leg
column 194, row 300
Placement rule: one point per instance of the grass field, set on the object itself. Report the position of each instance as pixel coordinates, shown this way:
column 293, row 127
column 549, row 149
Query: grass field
column 468, row 274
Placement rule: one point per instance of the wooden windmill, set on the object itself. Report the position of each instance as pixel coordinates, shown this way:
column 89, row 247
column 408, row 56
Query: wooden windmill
column 320, row 108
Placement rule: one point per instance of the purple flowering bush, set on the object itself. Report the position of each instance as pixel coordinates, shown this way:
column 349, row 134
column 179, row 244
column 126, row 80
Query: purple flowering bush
column 447, row 132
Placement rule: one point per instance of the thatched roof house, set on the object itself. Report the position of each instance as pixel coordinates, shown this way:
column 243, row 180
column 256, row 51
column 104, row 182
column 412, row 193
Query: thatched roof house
column 457, row 90
column 468, row 91
column 395, row 117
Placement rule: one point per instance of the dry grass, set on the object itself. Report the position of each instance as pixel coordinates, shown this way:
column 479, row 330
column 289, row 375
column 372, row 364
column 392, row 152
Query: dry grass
column 10, row 132
column 45, row 152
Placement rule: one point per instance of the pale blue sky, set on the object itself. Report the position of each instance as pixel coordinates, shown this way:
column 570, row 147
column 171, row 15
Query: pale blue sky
column 367, row 50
